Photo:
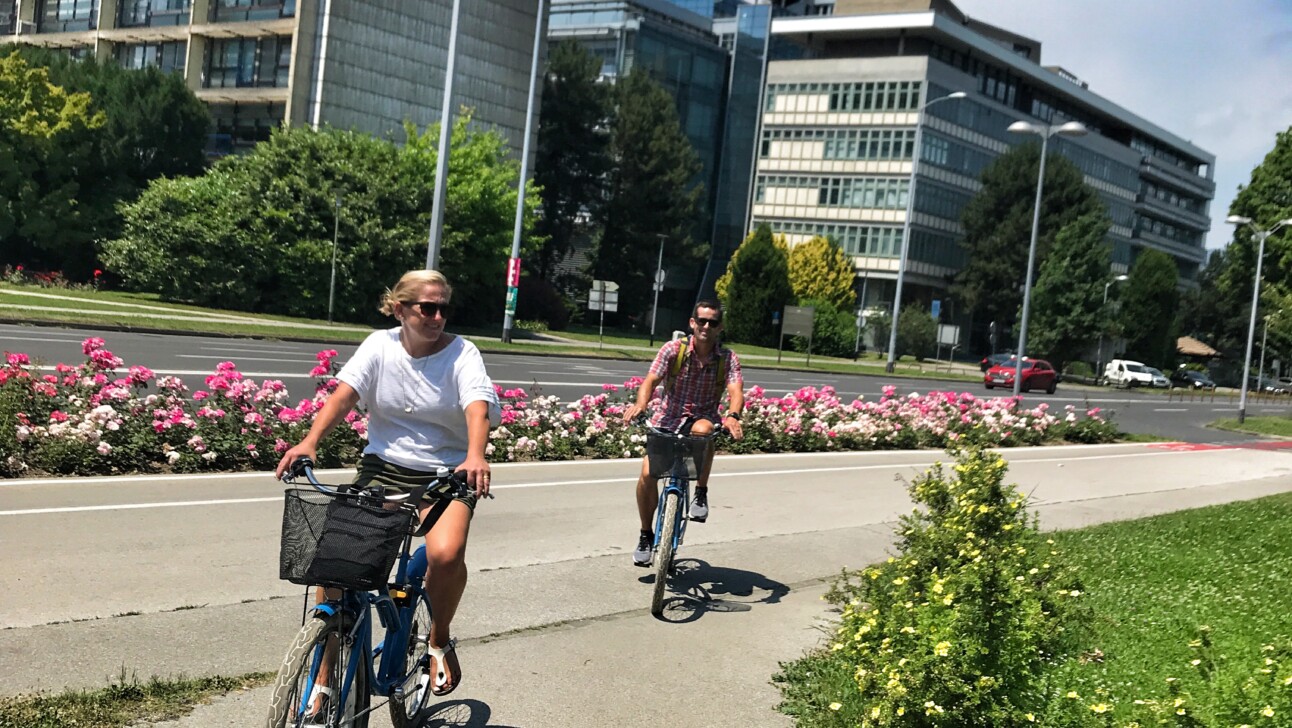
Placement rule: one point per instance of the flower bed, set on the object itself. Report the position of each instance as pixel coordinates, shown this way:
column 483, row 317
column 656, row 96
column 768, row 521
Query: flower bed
column 100, row 417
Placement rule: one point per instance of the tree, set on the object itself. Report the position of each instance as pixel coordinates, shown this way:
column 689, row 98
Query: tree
column 721, row 285
column 1068, row 310
column 759, row 285
column 573, row 159
column 42, row 124
column 652, row 192
column 1149, row 307
column 917, row 333
column 255, row 233
column 998, row 227
column 820, row 270
column 152, row 126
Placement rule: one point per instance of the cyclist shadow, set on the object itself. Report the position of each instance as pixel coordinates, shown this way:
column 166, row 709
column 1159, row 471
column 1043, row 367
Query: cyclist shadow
column 698, row 588
column 460, row 714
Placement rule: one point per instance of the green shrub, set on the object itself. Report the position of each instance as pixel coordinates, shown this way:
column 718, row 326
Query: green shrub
column 959, row 627
column 917, row 333
column 539, row 301
column 834, row 332
column 1079, row 369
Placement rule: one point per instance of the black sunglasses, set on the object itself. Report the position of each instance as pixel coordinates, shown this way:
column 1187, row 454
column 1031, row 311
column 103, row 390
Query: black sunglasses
column 430, row 308
column 711, row 323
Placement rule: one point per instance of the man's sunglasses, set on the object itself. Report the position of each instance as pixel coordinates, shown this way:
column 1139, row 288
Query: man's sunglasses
column 711, row 323
column 430, row 308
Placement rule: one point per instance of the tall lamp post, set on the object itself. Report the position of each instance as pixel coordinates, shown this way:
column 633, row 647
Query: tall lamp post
column 1265, row 336
column 436, row 234
column 1260, row 236
column 659, row 286
column 336, row 233
column 1045, row 131
column 1099, row 360
column 906, row 227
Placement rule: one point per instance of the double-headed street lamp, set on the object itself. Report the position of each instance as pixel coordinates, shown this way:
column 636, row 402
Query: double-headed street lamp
column 906, row 227
column 1260, row 236
column 1045, row 131
column 1265, row 337
column 1099, row 360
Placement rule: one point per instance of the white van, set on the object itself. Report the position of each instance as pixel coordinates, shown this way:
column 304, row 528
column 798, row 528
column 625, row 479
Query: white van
column 1127, row 373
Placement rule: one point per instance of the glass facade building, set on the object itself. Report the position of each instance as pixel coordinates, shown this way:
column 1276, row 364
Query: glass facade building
column 837, row 143
column 259, row 64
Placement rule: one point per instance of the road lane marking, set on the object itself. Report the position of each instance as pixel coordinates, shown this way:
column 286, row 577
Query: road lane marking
column 1170, row 409
column 302, row 359
column 593, row 481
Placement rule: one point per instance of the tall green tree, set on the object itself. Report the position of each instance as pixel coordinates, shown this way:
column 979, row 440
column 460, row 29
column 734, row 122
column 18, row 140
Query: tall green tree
column 759, row 286
column 998, row 228
column 724, row 281
column 652, row 192
column 1068, row 311
column 42, row 127
column 820, row 270
column 1148, row 309
column 573, row 157
column 153, row 126
column 256, row 232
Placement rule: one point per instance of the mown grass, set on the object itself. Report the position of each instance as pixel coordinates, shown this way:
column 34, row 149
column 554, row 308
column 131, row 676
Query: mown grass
column 1151, row 583
column 125, row 702
column 1274, row 426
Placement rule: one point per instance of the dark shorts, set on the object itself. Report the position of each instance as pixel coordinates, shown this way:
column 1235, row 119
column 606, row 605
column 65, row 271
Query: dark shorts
column 399, row 479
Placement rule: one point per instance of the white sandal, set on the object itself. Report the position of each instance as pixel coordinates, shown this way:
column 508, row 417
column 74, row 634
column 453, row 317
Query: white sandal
column 441, row 678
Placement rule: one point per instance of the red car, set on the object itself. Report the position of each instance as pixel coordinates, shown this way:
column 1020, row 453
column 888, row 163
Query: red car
column 1037, row 374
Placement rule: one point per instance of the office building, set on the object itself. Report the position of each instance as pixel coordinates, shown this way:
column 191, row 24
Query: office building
column 837, row 141
column 369, row 65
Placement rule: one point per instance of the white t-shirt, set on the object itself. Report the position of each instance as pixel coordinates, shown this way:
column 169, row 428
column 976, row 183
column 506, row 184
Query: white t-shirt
column 417, row 406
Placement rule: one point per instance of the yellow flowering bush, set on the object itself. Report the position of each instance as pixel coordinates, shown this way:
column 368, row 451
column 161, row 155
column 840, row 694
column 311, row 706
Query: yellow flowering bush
column 959, row 627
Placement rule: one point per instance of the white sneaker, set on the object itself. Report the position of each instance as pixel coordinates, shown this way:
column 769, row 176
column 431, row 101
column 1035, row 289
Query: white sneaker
column 699, row 507
column 641, row 554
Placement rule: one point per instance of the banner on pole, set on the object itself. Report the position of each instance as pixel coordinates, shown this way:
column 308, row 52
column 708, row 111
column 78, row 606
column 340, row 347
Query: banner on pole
column 513, row 272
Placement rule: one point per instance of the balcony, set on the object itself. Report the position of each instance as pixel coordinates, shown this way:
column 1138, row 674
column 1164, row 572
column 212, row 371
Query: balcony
column 154, row 13
column 1162, row 171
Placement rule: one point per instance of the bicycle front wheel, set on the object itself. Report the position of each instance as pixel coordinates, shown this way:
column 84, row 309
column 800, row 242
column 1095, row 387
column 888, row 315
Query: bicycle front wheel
column 316, row 658
column 411, row 710
column 664, row 554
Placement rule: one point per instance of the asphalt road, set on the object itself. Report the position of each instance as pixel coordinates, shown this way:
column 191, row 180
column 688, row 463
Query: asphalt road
column 193, row 357
column 177, row 575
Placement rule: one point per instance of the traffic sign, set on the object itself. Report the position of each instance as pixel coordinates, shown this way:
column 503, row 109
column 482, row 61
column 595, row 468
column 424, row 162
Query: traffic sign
column 604, row 296
column 659, row 277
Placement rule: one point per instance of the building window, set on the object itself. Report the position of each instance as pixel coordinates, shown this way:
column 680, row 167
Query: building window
column 168, row 57
column 248, row 62
column 223, row 11
column 154, row 13
column 63, row 16
column 240, row 126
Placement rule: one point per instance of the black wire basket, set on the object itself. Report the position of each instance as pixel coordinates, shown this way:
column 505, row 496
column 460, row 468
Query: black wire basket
column 663, row 450
column 340, row 542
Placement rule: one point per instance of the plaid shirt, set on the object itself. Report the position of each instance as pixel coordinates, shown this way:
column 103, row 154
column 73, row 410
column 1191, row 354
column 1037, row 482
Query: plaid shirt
column 695, row 393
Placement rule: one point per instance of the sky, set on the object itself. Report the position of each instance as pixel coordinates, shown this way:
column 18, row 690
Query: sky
column 1215, row 72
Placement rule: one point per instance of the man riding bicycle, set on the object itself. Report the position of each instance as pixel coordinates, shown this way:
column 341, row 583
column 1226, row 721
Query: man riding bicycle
column 694, row 370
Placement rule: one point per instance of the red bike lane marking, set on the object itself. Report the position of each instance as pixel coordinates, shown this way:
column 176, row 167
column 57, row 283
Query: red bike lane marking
column 1201, row 447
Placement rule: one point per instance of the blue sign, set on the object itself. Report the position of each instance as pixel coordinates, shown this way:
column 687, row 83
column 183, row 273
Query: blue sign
column 937, row 308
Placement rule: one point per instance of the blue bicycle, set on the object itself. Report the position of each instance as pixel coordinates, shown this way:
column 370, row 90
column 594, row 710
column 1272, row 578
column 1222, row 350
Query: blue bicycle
column 351, row 540
column 679, row 458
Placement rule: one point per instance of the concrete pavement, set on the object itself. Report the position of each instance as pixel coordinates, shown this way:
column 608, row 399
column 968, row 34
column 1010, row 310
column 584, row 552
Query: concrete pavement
column 554, row 627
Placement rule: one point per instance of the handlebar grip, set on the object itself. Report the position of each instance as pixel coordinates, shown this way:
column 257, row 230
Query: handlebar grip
column 302, row 465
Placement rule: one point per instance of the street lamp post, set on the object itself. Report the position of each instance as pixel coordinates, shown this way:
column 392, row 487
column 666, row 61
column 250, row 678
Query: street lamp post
column 906, row 227
column 336, row 233
column 659, row 286
column 1045, row 131
column 1099, row 359
column 513, row 265
column 1261, row 236
column 436, row 234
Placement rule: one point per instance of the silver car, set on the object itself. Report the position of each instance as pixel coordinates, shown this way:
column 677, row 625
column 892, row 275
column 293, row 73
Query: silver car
column 1159, row 379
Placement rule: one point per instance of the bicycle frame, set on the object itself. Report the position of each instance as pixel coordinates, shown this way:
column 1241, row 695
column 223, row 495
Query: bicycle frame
column 395, row 618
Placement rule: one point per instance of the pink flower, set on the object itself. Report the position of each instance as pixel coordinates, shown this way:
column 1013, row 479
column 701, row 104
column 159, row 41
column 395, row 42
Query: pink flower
column 91, row 345
column 16, row 360
column 321, row 370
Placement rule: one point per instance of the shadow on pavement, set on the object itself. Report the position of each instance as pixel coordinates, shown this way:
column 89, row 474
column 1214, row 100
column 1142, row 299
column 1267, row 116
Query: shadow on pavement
column 699, row 588
column 461, row 714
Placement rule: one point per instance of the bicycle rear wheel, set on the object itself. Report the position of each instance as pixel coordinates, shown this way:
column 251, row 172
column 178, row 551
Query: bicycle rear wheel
column 664, row 554
column 411, row 711
column 301, row 669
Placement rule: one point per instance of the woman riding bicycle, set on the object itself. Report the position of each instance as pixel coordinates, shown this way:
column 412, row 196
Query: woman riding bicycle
column 430, row 404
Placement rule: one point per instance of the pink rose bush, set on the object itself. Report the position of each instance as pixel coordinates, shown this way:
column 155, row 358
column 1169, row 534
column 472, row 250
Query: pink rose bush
column 101, row 417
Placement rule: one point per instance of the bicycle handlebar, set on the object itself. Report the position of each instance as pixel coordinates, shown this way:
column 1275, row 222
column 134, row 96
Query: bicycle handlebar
column 304, row 466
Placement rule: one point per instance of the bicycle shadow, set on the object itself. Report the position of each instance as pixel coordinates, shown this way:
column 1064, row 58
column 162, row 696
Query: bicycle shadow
column 699, row 588
column 460, row 714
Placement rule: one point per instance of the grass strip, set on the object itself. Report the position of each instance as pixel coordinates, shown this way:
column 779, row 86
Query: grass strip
column 125, row 702
column 1273, row 426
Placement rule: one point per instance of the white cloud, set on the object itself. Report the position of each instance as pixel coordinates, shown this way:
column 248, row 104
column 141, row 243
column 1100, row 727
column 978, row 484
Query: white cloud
column 1215, row 73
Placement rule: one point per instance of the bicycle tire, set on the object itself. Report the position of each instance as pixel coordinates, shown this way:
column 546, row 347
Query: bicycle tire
column 295, row 670
column 664, row 554
column 411, row 712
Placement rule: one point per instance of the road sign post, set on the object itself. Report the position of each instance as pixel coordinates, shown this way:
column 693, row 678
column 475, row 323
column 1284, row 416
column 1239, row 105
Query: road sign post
column 603, row 297
column 798, row 322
